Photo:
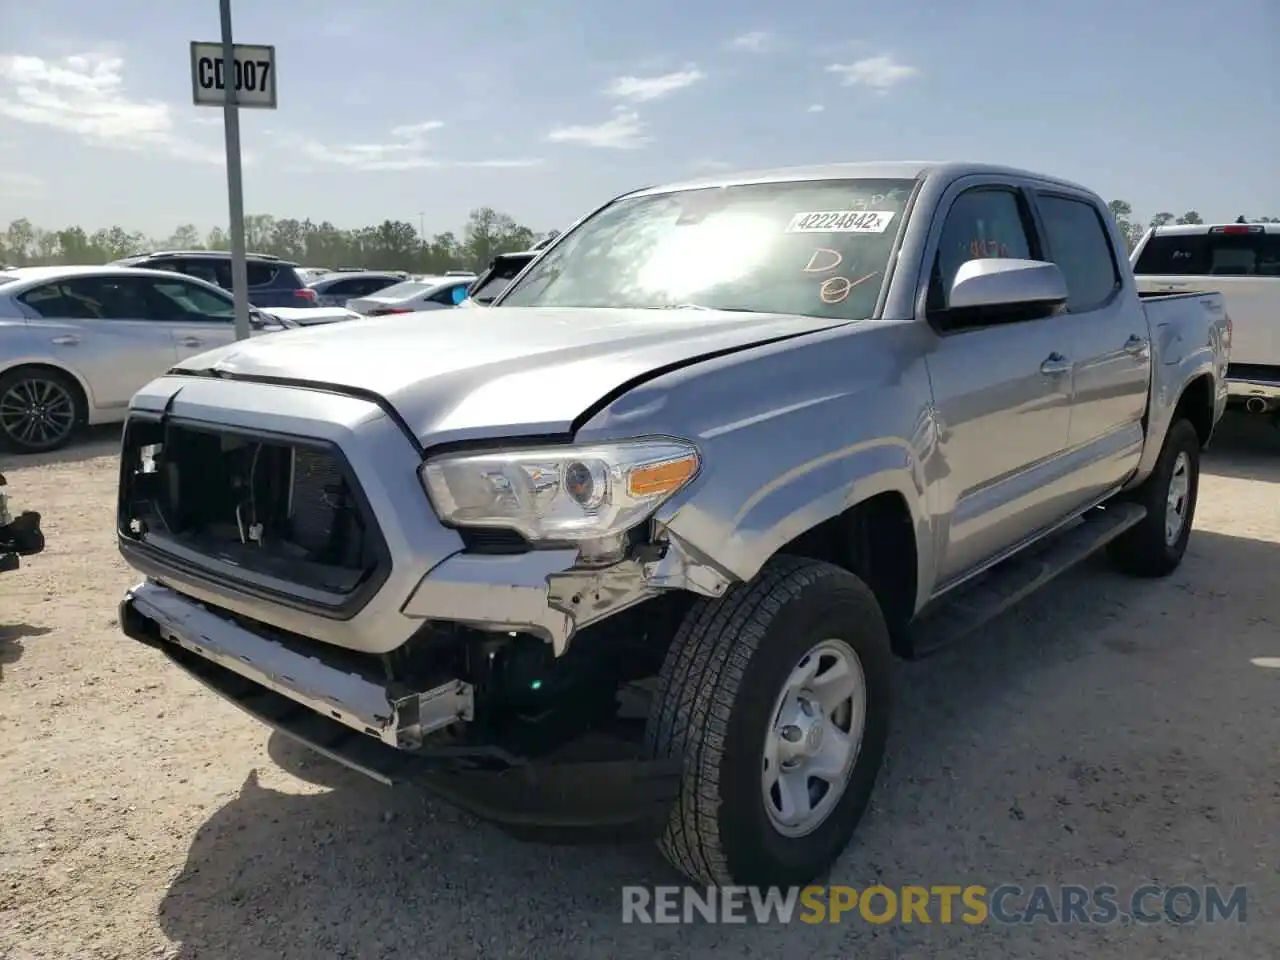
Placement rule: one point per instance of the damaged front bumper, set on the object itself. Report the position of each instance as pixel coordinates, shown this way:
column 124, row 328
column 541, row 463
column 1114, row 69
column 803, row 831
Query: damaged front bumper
column 359, row 722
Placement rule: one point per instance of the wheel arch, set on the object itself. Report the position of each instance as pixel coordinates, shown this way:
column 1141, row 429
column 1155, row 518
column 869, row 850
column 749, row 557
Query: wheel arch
column 85, row 394
column 1196, row 404
column 878, row 540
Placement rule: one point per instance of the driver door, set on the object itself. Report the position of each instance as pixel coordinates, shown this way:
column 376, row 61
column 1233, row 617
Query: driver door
column 198, row 318
column 1001, row 401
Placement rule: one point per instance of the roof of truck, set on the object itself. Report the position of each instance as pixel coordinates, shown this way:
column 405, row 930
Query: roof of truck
column 1185, row 229
column 878, row 170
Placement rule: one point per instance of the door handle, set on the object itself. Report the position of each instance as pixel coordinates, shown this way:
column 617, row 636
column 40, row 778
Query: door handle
column 1055, row 364
column 1136, row 345
column 66, row 341
column 191, row 342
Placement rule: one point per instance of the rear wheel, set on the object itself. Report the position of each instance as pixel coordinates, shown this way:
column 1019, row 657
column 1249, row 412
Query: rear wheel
column 40, row 409
column 1155, row 547
column 777, row 696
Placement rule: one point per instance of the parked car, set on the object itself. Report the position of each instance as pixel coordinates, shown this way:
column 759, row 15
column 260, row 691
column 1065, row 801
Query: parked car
column 20, row 536
column 1243, row 261
column 502, row 269
column 272, row 282
column 712, row 458
column 335, row 289
column 413, row 296
column 76, row 342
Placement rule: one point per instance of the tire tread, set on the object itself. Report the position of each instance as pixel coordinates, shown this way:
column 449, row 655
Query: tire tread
column 696, row 693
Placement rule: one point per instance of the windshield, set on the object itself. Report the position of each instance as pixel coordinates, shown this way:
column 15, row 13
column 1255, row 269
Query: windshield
column 403, row 291
column 813, row 248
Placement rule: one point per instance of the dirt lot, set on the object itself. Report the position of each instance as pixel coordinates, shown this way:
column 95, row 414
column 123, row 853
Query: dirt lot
column 1110, row 731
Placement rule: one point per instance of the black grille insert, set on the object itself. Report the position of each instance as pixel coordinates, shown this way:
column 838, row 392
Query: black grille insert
column 280, row 514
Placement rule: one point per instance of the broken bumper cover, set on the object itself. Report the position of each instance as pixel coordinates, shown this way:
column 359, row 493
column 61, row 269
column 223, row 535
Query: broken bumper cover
column 351, row 720
column 152, row 612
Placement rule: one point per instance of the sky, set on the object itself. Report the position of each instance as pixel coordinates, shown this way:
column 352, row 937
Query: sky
column 544, row 109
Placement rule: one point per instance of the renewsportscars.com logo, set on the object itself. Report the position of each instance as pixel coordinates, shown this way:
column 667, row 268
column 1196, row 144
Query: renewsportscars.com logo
column 975, row 904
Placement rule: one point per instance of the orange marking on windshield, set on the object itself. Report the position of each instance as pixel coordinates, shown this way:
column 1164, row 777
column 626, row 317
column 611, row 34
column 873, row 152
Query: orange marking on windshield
column 837, row 289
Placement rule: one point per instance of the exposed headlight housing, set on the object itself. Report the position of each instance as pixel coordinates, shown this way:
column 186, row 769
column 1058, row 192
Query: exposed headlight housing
column 562, row 494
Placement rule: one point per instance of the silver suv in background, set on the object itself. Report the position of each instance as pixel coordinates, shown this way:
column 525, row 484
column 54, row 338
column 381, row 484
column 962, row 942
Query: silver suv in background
column 335, row 289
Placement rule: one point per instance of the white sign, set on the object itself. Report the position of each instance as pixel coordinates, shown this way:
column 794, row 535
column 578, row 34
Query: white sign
column 840, row 221
column 255, row 75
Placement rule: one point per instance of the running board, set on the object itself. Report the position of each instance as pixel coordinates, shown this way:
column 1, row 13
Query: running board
column 973, row 605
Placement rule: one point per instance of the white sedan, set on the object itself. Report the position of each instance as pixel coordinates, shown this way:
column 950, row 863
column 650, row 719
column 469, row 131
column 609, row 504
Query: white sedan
column 412, row 296
column 76, row 343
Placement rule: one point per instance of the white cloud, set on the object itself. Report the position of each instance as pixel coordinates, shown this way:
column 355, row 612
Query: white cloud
column 754, row 41
column 814, row 108
column 711, row 165
column 19, row 180
column 624, row 132
column 644, row 89
column 879, row 73
column 85, row 95
column 408, row 148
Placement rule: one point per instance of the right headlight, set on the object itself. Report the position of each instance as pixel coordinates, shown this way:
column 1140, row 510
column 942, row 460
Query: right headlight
column 561, row 493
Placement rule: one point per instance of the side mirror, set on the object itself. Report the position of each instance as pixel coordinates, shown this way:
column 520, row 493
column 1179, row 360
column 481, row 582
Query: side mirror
column 1005, row 290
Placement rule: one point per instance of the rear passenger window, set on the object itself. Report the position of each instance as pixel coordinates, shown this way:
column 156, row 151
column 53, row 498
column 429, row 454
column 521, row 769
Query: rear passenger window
column 983, row 223
column 210, row 270
column 261, row 274
column 1079, row 245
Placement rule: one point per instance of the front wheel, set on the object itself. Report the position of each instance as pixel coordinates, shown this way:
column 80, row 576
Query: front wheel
column 777, row 695
column 1155, row 546
column 40, row 410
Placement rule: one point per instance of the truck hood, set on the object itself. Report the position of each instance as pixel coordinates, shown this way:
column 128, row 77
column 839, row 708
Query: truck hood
column 501, row 371
column 309, row 316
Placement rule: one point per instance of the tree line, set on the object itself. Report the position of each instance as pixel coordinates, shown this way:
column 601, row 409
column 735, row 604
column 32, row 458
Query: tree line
column 390, row 245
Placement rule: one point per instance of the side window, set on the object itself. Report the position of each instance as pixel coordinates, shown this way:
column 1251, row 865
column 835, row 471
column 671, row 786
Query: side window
column 89, row 298
column 358, row 287
column 982, row 223
column 210, row 270
column 260, row 274
column 445, row 295
column 53, row 301
column 181, row 302
column 1079, row 245
column 373, row 285
column 339, row 288
column 167, row 264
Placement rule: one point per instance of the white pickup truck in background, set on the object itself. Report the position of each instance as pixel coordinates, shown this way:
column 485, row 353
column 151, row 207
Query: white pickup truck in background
column 1242, row 262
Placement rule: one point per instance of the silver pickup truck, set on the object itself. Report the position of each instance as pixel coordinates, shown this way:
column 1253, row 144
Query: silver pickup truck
column 635, row 546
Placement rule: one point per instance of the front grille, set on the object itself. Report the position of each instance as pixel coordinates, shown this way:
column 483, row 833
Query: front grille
column 255, row 509
column 316, row 478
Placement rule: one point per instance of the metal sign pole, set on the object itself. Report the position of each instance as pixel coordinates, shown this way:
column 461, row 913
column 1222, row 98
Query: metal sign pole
column 235, row 183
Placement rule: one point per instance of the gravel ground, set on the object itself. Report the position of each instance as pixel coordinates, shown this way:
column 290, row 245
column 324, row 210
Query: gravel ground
column 1107, row 732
